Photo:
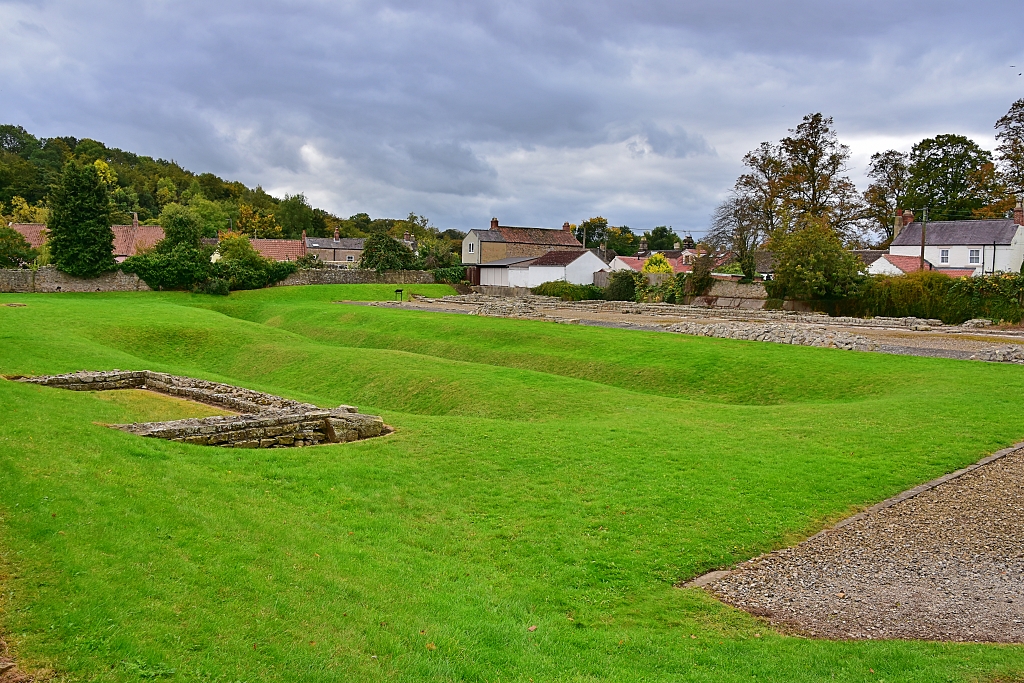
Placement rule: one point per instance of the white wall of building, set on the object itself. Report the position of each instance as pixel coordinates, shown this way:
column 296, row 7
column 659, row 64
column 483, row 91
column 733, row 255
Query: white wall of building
column 496, row 277
column 1008, row 256
column 879, row 267
column 581, row 271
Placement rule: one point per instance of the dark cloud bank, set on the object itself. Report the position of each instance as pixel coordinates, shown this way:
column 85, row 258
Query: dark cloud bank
column 532, row 111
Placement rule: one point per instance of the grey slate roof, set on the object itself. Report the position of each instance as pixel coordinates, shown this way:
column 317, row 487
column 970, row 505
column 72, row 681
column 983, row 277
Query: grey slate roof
column 489, row 235
column 510, row 261
column 353, row 243
column 953, row 233
column 869, row 256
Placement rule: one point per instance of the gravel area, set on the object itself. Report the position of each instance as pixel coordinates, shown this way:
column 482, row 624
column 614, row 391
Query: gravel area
column 945, row 564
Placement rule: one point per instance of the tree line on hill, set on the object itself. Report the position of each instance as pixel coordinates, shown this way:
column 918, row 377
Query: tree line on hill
column 801, row 183
column 30, row 167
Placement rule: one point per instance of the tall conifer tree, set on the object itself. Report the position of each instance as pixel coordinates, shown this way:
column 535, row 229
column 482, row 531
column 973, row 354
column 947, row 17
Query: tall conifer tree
column 80, row 238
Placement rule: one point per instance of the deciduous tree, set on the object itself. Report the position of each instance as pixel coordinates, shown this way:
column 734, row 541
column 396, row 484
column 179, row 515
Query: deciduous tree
column 1010, row 150
column 890, row 175
column 952, row 176
column 15, row 251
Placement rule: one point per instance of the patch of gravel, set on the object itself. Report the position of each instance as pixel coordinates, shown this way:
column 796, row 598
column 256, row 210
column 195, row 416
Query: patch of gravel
column 945, row 564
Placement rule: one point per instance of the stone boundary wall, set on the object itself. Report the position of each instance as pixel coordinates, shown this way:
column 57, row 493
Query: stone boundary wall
column 356, row 276
column 267, row 421
column 50, row 280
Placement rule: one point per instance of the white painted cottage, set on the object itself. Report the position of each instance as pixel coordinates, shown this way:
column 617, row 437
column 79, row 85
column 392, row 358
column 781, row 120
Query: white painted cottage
column 987, row 246
column 575, row 267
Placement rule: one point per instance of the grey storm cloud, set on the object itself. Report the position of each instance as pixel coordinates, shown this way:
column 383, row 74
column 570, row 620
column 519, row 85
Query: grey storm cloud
column 538, row 112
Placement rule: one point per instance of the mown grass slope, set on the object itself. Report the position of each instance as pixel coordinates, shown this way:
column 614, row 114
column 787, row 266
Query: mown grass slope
column 541, row 475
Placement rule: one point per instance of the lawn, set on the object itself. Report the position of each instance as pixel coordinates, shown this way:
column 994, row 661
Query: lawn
column 541, row 475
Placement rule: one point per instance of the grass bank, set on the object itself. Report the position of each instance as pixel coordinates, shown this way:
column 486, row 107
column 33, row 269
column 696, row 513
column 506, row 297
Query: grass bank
column 541, row 475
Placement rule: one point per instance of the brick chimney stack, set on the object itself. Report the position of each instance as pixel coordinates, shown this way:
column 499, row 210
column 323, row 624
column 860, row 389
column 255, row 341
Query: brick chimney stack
column 494, row 224
column 337, row 235
column 135, row 220
column 565, row 226
column 1018, row 211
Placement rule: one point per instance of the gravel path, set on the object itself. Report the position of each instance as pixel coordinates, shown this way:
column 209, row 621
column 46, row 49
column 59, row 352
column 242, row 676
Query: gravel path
column 946, row 564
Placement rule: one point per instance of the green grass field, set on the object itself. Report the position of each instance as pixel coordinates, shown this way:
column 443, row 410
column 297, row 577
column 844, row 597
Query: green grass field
column 543, row 475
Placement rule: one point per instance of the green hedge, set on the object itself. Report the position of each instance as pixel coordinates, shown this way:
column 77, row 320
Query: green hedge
column 569, row 292
column 452, row 275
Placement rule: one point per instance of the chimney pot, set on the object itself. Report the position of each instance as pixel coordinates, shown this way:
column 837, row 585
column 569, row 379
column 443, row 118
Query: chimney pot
column 494, row 224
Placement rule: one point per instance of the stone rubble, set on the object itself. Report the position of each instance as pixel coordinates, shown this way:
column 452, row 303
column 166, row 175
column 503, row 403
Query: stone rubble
column 1004, row 354
column 779, row 333
column 267, row 421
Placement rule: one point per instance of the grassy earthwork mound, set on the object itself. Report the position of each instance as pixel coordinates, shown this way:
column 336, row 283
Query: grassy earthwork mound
column 541, row 475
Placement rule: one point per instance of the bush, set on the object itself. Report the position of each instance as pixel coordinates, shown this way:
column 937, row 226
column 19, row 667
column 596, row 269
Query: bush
column 381, row 252
column 182, row 267
column 657, row 263
column 922, row 295
column 15, row 251
column 214, row 285
column 701, row 279
column 245, row 268
column 309, row 262
column 811, row 263
column 569, row 292
column 453, row 275
column 621, row 286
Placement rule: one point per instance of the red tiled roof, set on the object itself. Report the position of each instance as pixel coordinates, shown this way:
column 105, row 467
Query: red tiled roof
column 279, row 250
column 34, row 233
column 632, row 261
column 908, row 264
column 129, row 240
column 956, row 272
column 557, row 258
column 544, row 236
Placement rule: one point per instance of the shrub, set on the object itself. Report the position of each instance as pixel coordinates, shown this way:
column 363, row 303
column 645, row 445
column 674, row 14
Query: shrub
column 621, row 286
column 569, row 292
column 182, row 267
column 452, row 275
column 15, row 251
column 381, row 252
column 657, row 263
column 245, row 268
column 922, row 295
column 214, row 285
column 811, row 263
column 701, row 279
column 309, row 262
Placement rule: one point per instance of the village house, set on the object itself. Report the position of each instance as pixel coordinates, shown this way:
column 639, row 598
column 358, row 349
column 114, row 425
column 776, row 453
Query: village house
column 335, row 249
column 892, row 264
column 984, row 246
column 129, row 240
column 502, row 242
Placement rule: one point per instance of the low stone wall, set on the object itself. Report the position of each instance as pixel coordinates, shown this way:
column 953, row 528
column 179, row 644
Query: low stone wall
column 50, row 280
column 357, row 276
column 269, row 421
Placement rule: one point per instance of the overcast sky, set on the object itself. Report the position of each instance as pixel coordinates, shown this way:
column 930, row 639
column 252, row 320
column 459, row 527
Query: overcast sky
column 536, row 112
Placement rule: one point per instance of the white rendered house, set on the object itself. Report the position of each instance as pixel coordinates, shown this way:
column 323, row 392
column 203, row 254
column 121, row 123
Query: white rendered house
column 988, row 246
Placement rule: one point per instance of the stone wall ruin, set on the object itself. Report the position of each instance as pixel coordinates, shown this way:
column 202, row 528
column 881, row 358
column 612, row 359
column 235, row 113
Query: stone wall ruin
column 265, row 420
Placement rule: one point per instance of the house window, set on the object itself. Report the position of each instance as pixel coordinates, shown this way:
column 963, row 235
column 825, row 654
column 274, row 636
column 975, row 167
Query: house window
column 471, row 245
column 975, row 256
column 944, row 256
column 350, row 257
